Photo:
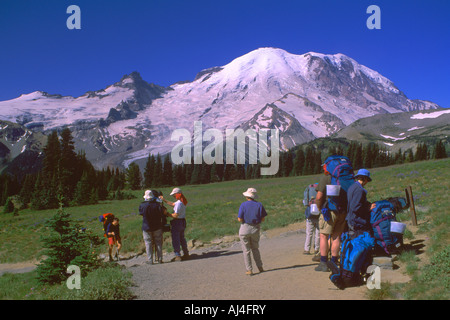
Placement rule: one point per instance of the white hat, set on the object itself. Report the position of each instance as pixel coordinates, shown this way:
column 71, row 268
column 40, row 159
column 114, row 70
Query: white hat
column 148, row 195
column 175, row 190
column 251, row 193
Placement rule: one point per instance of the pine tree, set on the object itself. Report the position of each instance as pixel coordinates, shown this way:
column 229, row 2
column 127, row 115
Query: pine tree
column 66, row 244
column 83, row 191
column 439, row 150
column 9, row 206
column 52, row 155
column 37, row 198
column 70, row 170
column 167, row 176
column 27, row 189
column 149, row 171
column 157, row 173
column 133, row 176
column 358, row 157
column 308, row 167
column 299, row 162
column 195, row 177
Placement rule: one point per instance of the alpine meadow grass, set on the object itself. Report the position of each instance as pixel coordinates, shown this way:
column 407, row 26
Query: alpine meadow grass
column 212, row 213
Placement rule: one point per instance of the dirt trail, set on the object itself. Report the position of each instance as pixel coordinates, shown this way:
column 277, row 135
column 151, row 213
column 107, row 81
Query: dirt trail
column 218, row 273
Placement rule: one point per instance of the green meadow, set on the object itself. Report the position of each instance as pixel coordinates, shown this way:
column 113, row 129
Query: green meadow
column 212, row 213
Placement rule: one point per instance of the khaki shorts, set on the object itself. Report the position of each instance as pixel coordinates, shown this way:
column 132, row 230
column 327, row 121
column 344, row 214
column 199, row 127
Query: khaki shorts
column 335, row 225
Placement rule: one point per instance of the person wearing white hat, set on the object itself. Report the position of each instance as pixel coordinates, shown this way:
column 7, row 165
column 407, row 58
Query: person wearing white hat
column 152, row 222
column 251, row 214
column 178, row 224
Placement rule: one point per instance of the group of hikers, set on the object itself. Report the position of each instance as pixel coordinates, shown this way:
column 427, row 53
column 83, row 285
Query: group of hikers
column 154, row 223
column 329, row 215
column 342, row 221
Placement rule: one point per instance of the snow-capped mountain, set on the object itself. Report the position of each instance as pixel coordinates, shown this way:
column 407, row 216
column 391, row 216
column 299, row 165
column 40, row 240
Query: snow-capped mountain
column 305, row 96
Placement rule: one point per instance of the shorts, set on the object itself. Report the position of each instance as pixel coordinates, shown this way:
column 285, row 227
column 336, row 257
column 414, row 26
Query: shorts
column 336, row 225
column 112, row 240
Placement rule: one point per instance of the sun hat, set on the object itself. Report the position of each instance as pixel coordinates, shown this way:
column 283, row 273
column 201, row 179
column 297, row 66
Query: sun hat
column 251, row 193
column 363, row 173
column 148, row 195
column 175, row 190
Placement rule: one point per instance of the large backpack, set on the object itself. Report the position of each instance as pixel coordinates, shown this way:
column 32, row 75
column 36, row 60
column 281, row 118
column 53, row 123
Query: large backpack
column 309, row 195
column 341, row 172
column 355, row 258
column 380, row 219
column 106, row 218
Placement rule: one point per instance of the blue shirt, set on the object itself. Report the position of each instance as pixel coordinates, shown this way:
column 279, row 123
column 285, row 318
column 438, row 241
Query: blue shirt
column 252, row 212
column 358, row 213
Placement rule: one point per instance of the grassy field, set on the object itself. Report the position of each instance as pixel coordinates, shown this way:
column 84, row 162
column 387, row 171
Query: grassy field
column 212, row 210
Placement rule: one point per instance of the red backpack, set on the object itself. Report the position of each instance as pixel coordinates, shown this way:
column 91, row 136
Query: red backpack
column 106, row 218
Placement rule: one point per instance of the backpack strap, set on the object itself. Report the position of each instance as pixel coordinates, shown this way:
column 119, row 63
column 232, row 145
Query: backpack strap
column 376, row 225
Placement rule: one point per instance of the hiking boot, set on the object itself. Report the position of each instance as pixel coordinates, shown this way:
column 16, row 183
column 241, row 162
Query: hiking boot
column 333, row 267
column 306, row 252
column 249, row 273
column 177, row 258
column 322, row 267
column 316, row 258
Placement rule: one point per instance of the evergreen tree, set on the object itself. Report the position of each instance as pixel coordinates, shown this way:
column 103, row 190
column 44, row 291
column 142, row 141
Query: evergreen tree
column 27, row 189
column 358, row 157
column 167, row 176
column 299, row 162
column 240, row 172
column 9, row 206
column 195, row 177
column 308, row 167
column 158, row 172
column 367, row 156
column 133, row 176
column 69, row 169
column 37, row 198
column 83, row 191
column 439, row 150
column 288, row 164
column 65, row 245
column 52, row 155
column 318, row 162
column 149, row 171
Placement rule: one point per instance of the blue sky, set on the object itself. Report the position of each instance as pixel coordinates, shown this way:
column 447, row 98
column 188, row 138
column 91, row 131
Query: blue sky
column 170, row 41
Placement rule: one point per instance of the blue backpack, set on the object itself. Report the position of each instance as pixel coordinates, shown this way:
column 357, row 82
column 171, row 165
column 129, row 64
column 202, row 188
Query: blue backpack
column 380, row 219
column 309, row 196
column 341, row 171
column 355, row 258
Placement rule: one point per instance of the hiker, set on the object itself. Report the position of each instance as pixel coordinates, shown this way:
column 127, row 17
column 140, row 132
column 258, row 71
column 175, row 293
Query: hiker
column 358, row 212
column 251, row 214
column 153, row 220
column 312, row 220
column 113, row 233
column 331, row 224
column 178, row 224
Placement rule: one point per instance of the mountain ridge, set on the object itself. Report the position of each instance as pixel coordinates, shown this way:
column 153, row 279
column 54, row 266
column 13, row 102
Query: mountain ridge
column 131, row 118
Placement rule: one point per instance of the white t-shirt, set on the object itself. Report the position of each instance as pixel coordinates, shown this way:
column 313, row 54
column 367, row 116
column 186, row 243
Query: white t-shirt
column 180, row 209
